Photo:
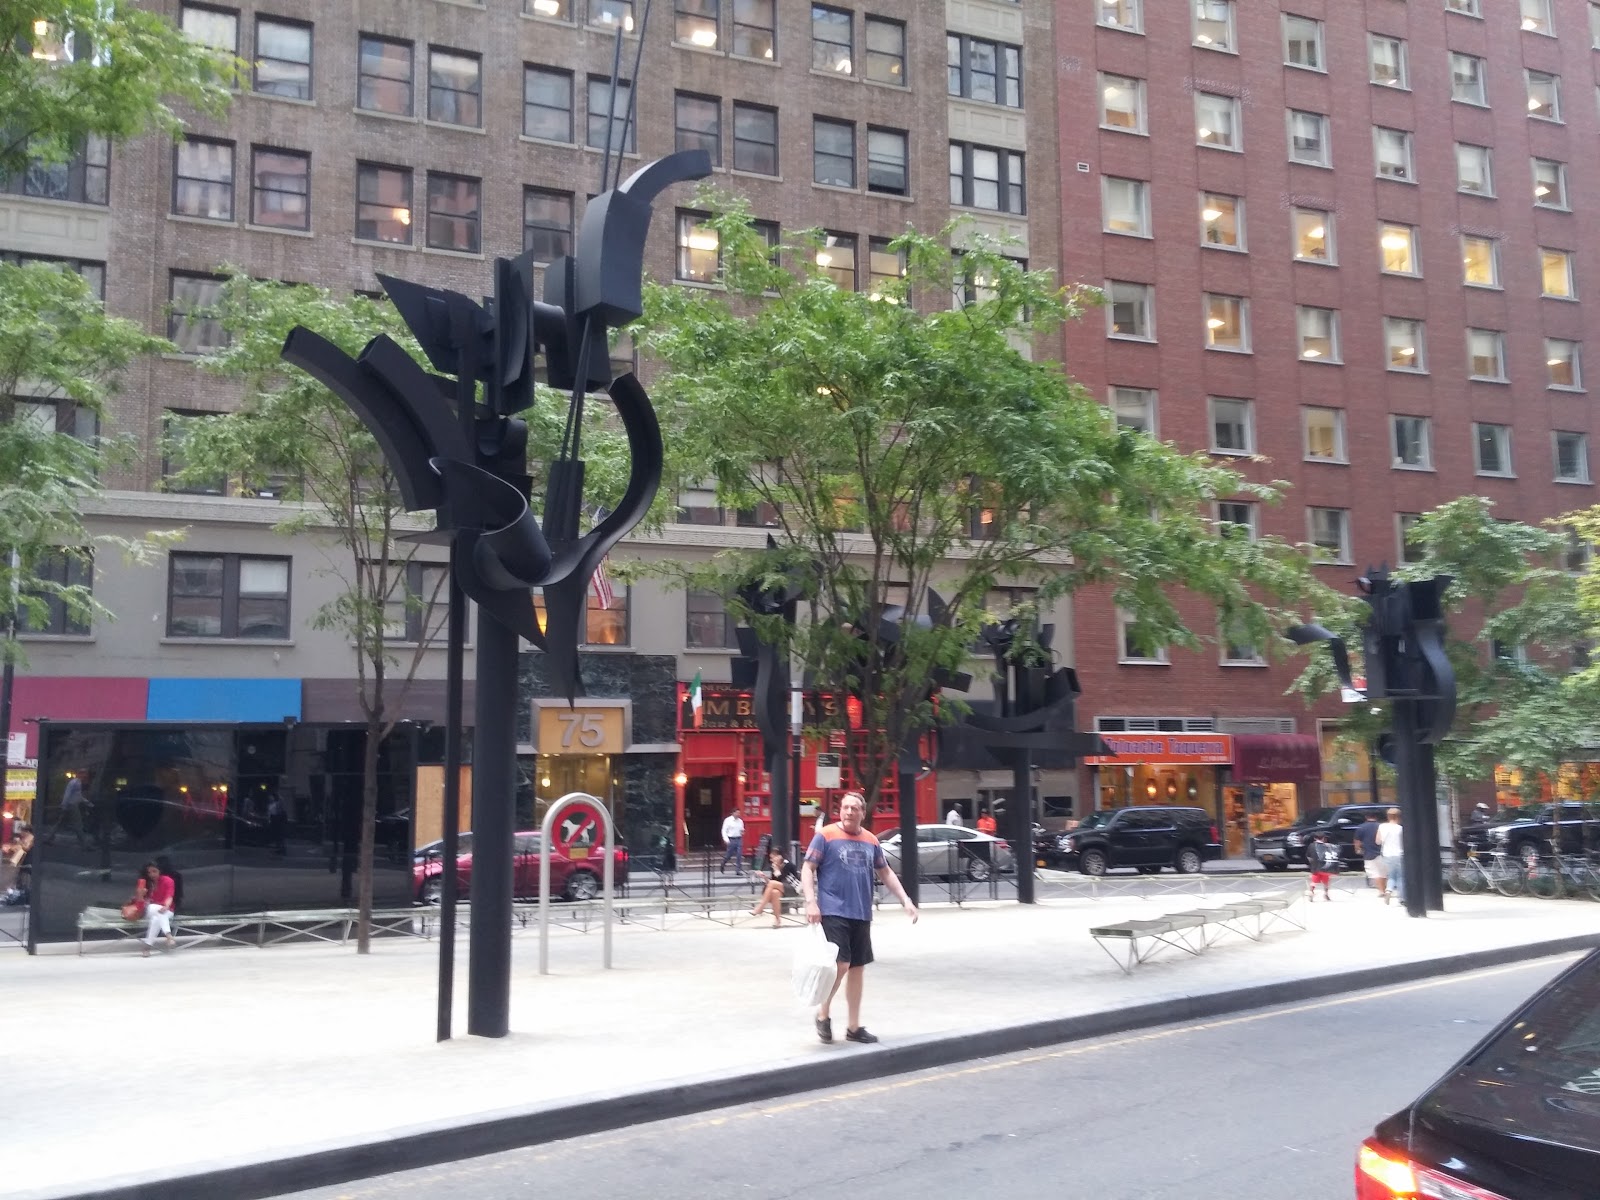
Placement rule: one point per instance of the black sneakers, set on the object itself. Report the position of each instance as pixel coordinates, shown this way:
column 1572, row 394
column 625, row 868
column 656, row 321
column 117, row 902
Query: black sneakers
column 860, row 1035
column 825, row 1029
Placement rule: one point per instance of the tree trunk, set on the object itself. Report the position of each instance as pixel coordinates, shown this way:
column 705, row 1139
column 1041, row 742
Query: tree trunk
column 369, row 828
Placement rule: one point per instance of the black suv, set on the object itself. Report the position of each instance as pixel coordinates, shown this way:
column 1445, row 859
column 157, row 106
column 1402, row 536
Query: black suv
column 1279, row 849
column 1564, row 828
column 1148, row 837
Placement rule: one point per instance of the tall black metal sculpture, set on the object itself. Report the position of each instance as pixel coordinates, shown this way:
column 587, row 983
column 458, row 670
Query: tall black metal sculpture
column 1033, row 724
column 1406, row 664
column 470, row 468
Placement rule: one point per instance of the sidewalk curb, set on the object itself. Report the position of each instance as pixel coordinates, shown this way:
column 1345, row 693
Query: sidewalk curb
column 430, row 1144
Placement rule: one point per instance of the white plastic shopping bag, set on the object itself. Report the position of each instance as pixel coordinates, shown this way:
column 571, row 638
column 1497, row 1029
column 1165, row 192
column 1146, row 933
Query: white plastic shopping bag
column 815, row 968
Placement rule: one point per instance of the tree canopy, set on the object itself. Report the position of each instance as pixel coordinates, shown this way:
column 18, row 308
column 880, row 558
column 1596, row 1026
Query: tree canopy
column 899, row 440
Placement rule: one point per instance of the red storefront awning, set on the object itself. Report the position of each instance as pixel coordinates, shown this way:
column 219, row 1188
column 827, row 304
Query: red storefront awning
column 1277, row 758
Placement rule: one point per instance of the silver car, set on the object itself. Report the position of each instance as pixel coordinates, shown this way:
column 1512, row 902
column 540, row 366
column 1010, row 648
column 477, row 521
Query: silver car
column 953, row 852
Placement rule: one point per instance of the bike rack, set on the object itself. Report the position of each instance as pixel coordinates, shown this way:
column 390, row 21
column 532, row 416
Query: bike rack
column 608, row 889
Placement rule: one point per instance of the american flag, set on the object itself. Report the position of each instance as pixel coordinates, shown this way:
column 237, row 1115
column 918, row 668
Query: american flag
column 602, row 586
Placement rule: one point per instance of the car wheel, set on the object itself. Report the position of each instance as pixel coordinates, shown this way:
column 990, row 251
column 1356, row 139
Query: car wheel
column 977, row 870
column 1149, row 870
column 1188, row 861
column 582, row 886
column 431, row 887
column 1092, row 862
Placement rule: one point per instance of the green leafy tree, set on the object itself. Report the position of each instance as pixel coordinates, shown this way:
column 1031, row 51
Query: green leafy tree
column 899, row 446
column 291, row 428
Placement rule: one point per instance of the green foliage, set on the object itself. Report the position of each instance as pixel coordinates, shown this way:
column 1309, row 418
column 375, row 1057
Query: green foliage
column 126, row 69
column 877, row 426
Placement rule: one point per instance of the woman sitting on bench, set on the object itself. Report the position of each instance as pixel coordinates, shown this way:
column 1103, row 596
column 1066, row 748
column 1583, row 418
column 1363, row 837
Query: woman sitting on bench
column 782, row 879
column 154, row 901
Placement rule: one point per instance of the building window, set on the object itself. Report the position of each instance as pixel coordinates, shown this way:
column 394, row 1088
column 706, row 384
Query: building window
column 1221, row 221
column 546, row 223
column 176, row 427
column 1135, row 647
column 610, row 14
column 454, row 214
column 92, row 273
column 1318, row 331
column 1473, row 169
column 696, row 22
column 832, row 47
column 1594, row 24
column 202, row 179
column 602, row 626
column 280, row 189
column 283, row 58
column 886, row 270
column 383, row 203
column 1227, row 323
column 886, row 51
column 1240, row 515
column 214, row 27
column 1555, row 272
column 1324, row 429
column 699, row 248
column 1121, row 14
column 698, row 505
column 983, row 177
column 1397, row 249
column 66, row 570
column 755, row 139
column 1572, row 457
column 1125, row 206
column 1493, row 448
column 1232, row 426
column 1134, row 408
column 455, row 88
column 191, row 323
column 986, row 71
column 698, row 121
column 1544, row 95
column 1213, row 24
column 1467, row 8
column 1403, row 344
column 1468, row 79
column 1302, row 42
column 1411, row 442
column 833, row 152
column 82, row 178
column 1486, row 354
column 1411, row 549
column 547, row 104
column 1563, row 364
column 754, row 28
column 1549, row 183
column 418, row 606
column 1130, row 311
column 886, row 162
column 227, row 596
column 1308, row 138
column 1329, row 534
column 1392, row 154
column 1313, row 236
column 1386, row 61
column 604, row 104
column 710, row 626
column 837, row 258
column 1480, row 261
column 1216, row 120
column 383, row 76
column 555, row 10
column 1536, row 17
column 1122, row 103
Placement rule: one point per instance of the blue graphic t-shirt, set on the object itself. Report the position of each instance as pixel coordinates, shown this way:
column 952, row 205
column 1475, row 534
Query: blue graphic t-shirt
column 847, row 866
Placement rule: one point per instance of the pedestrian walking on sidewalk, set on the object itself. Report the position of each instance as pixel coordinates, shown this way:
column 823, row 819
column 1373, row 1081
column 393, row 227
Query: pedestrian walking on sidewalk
column 1367, row 839
column 733, row 839
column 156, row 907
column 1392, row 859
column 987, row 824
column 841, row 865
column 1322, row 856
column 953, row 817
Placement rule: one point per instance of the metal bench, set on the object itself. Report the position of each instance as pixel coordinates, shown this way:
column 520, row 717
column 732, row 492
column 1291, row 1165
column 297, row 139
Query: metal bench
column 1195, row 930
column 259, row 928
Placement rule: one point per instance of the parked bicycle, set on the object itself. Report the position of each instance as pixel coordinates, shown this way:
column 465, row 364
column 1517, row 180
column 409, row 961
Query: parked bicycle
column 1565, row 875
column 1479, row 871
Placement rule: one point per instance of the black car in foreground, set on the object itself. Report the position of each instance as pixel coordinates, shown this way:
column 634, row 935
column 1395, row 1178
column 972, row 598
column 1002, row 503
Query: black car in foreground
column 1280, row 849
column 1147, row 837
column 1517, row 1119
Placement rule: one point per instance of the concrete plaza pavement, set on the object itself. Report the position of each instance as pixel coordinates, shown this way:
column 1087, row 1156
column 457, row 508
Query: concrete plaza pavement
column 245, row 1072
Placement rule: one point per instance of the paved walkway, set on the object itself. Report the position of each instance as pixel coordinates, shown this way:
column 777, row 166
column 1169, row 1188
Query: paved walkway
column 125, row 1071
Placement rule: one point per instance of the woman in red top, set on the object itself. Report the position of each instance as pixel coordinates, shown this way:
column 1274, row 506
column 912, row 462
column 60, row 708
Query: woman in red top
column 157, row 906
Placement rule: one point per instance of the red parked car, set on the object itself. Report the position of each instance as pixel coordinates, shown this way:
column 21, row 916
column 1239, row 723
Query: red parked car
column 574, row 869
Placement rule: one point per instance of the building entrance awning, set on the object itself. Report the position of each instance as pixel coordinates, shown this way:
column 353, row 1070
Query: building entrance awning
column 1277, row 758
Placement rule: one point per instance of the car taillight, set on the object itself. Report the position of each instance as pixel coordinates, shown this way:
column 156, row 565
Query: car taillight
column 1214, row 836
column 1384, row 1174
column 622, row 854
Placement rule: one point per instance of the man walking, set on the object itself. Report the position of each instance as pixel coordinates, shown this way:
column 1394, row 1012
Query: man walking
column 733, row 839
column 953, row 817
column 841, row 865
column 1367, row 839
column 1392, row 861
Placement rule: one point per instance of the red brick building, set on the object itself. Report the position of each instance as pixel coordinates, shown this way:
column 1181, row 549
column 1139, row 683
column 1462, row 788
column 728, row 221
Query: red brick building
column 1345, row 238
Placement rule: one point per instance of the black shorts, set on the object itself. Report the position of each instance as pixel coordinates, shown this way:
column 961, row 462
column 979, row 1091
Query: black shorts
column 854, row 939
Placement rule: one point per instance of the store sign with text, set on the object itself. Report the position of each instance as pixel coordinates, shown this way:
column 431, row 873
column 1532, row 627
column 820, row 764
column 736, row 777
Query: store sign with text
column 731, row 708
column 1215, row 749
column 580, row 730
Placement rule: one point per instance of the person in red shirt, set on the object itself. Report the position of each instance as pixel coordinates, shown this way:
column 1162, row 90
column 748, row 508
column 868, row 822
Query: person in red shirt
column 156, row 907
column 986, row 823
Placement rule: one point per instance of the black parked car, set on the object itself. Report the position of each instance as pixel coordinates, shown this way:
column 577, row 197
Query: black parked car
column 1147, row 837
column 1564, row 828
column 1280, row 849
column 1517, row 1119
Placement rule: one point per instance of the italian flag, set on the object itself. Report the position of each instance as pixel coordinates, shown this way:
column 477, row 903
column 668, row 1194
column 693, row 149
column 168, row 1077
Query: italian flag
column 696, row 698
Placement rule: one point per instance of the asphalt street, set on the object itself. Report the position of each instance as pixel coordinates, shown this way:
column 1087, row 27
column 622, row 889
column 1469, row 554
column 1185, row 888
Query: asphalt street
column 1266, row 1105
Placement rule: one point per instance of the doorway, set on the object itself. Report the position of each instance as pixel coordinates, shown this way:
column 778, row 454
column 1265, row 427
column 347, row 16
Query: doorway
column 703, row 812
